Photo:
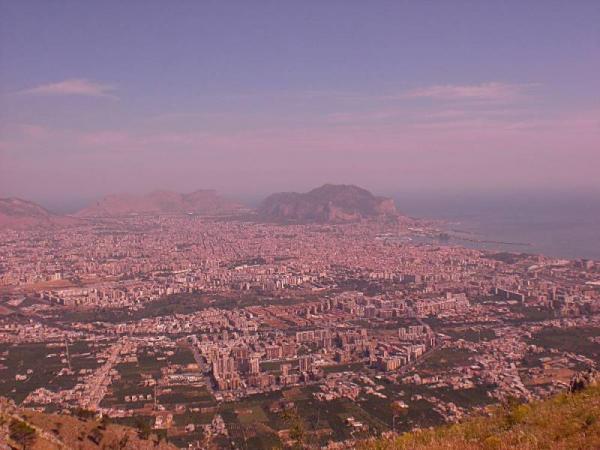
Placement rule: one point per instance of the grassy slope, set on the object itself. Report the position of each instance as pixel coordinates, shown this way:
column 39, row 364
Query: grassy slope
column 57, row 432
column 566, row 421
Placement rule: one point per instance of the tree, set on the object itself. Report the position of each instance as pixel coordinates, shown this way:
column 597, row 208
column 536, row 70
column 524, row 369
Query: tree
column 297, row 433
column 296, row 427
column 399, row 409
column 144, row 429
column 22, row 433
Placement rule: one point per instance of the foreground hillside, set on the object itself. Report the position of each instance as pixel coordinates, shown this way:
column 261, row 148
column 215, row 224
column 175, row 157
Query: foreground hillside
column 567, row 421
column 25, row 429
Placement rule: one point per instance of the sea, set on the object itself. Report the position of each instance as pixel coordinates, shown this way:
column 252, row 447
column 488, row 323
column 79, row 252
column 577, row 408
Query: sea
column 562, row 225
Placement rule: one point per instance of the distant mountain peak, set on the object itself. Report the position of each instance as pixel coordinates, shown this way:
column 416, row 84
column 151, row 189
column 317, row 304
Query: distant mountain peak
column 330, row 203
column 203, row 201
column 19, row 213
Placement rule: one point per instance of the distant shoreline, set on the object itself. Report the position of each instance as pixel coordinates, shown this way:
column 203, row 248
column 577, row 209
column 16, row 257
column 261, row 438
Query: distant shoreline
column 486, row 241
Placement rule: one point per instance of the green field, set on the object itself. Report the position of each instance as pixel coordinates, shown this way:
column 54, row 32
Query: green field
column 45, row 363
column 185, row 303
column 444, row 358
column 471, row 334
column 148, row 364
column 575, row 340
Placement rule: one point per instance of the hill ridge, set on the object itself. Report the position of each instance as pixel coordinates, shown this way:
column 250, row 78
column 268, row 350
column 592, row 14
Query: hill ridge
column 566, row 421
column 23, row 428
column 19, row 213
column 201, row 201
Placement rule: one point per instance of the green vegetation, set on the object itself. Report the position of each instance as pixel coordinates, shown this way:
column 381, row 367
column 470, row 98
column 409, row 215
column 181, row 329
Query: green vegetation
column 444, row 358
column 509, row 258
column 314, row 422
column 530, row 314
column 185, row 303
column 150, row 363
column 350, row 367
column 368, row 287
column 471, row 334
column 192, row 396
column 567, row 422
column 576, row 340
column 420, row 411
column 21, row 433
column 41, row 364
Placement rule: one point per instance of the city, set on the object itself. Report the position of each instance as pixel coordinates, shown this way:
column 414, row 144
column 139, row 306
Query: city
column 299, row 225
column 220, row 330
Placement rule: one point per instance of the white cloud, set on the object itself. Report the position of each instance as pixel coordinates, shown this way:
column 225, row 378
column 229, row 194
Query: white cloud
column 73, row 86
column 494, row 91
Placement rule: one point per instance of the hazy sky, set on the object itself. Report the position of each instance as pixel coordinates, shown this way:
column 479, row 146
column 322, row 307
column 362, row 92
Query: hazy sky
column 249, row 97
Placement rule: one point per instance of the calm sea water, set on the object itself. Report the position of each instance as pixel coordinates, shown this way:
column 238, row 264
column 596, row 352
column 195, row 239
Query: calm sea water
column 565, row 225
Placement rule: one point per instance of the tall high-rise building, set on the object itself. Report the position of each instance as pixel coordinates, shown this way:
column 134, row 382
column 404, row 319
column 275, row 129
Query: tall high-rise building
column 254, row 365
column 305, row 363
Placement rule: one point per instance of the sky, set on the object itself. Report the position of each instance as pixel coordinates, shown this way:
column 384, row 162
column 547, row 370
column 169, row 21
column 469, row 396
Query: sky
column 252, row 97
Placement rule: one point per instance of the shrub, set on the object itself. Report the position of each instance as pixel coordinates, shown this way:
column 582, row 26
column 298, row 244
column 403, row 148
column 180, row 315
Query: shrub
column 22, row 433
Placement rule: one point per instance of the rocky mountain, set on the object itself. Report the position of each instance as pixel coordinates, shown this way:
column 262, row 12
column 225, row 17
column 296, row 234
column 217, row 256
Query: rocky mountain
column 203, row 202
column 18, row 213
column 327, row 204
